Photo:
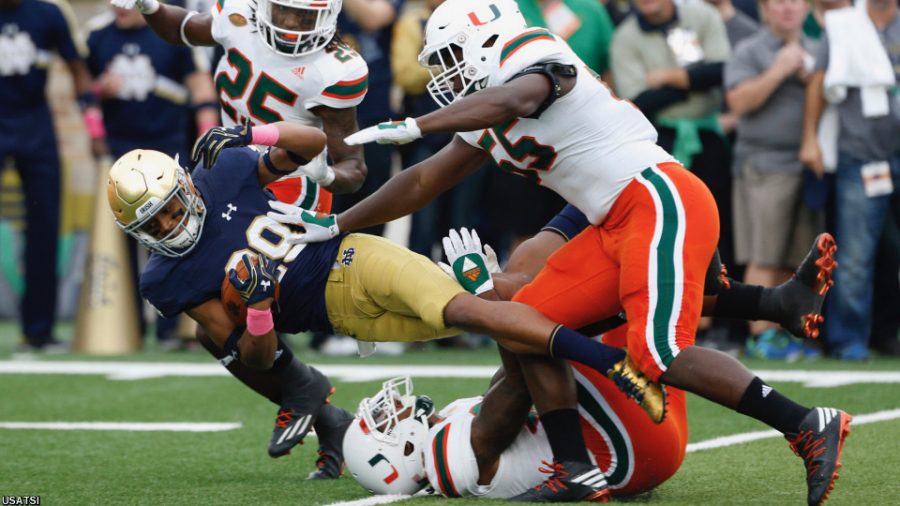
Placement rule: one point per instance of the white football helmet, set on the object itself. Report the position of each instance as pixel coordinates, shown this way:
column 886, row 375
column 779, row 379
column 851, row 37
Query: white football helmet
column 142, row 182
column 463, row 41
column 384, row 448
column 317, row 18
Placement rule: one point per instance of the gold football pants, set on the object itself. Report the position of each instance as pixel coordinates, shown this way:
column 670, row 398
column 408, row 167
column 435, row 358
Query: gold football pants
column 380, row 291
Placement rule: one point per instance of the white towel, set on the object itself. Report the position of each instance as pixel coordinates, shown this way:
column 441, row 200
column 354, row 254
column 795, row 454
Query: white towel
column 857, row 58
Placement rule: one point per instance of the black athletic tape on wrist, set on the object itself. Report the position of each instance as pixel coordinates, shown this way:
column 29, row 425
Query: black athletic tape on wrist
column 231, row 343
column 86, row 99
column 267, row 160
column 207, row 104
column 294, row 157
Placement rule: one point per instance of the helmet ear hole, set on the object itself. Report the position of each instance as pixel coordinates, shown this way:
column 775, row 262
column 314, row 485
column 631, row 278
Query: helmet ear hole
column 490, row 42
column 408, row 449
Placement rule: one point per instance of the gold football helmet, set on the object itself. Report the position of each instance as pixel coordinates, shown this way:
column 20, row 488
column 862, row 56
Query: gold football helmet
column 141, row 183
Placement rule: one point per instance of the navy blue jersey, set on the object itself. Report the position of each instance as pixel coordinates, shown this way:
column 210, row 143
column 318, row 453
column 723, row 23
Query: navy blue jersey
column 152, row 73
column 29, row 34
column 236, row 223
column 375, row 48
column 568, row 223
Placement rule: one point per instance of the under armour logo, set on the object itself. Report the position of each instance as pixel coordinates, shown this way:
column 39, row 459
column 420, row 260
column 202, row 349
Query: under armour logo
column 265, row 284
column 347, row 257
column 231, row 209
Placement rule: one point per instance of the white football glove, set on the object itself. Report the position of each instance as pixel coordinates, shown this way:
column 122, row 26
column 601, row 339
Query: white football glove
column 142, row 6
column 468, row 261
column 389, row 132
column 318, row 170
column 319, row 227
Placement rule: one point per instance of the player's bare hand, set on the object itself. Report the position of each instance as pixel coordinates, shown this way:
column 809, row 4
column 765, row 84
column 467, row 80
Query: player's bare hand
column 811, row 157
column 389, row 132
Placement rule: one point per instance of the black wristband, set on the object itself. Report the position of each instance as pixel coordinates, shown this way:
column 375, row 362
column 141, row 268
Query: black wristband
column 86, row 99
column 294, row 157
column 267, row 160
column 208, row 104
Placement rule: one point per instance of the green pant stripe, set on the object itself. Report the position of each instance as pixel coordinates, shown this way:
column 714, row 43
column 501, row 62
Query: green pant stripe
column 665, row 266
column 621, row 456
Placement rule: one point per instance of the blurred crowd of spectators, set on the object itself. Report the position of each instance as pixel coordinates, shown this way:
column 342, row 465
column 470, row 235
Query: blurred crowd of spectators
column 788, row 111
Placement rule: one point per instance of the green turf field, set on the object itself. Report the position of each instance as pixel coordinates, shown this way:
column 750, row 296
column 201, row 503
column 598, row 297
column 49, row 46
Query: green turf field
column 231, row 467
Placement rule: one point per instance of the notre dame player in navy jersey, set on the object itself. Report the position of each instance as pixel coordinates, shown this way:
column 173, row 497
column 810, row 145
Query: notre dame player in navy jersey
column 30, row 32
column 360, row 285
column 236, row 224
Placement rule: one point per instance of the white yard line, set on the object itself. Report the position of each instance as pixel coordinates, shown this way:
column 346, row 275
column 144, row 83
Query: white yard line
column 124, row 426
column 369, row 372
column 720, row 442
column 372, row 500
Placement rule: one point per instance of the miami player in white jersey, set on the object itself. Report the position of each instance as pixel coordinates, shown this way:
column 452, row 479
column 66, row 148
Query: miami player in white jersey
column 495, row 447
column 521, row 97
column 283, row 61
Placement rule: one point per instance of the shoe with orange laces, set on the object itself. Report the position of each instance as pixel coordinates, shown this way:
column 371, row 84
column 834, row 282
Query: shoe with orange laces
column 569, row 481
column 799, row 300
column 819, row 443
column 292, row 423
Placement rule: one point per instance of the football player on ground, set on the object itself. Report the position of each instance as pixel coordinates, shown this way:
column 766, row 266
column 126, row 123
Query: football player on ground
column 199, row 227
column 477, row 458
column 521, row 96
column 495, row 447
column 283, row 61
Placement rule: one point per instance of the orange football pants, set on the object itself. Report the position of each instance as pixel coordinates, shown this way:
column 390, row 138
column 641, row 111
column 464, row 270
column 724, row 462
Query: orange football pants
column 648, row 258
column 635, row 454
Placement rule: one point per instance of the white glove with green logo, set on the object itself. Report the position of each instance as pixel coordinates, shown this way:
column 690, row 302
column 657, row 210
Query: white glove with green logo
column 471, row 266
column 389, row 132
column 319, row 227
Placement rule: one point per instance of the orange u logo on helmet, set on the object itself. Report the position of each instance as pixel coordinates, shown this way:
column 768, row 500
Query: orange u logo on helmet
column 478, row 22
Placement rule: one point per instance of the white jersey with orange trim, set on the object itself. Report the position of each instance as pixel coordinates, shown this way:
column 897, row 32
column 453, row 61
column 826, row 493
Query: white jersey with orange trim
column 635, row 454
column 450, row 461
column 586, row 147
column 255, row 82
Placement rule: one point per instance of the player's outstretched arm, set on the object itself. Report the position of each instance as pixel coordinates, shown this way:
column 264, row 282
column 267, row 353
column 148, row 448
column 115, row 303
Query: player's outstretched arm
column 402, row 194
column 168, row 21
column 484, row 109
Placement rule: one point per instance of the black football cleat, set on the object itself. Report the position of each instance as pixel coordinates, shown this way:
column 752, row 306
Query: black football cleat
column 569, row 481
column 331, row 426
column 819, row 443
column 800, row 298
column 291, row 426
column 650, row 396
column 293, row 422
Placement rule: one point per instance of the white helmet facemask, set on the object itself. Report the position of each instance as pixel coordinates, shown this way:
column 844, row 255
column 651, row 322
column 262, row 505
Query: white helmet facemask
column 297, row 27
column 463, row 41
column 384, row 448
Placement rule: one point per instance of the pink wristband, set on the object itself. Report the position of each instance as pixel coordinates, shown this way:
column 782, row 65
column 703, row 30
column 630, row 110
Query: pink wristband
column 93, row 120
column 259, row 322
column 265, row 135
